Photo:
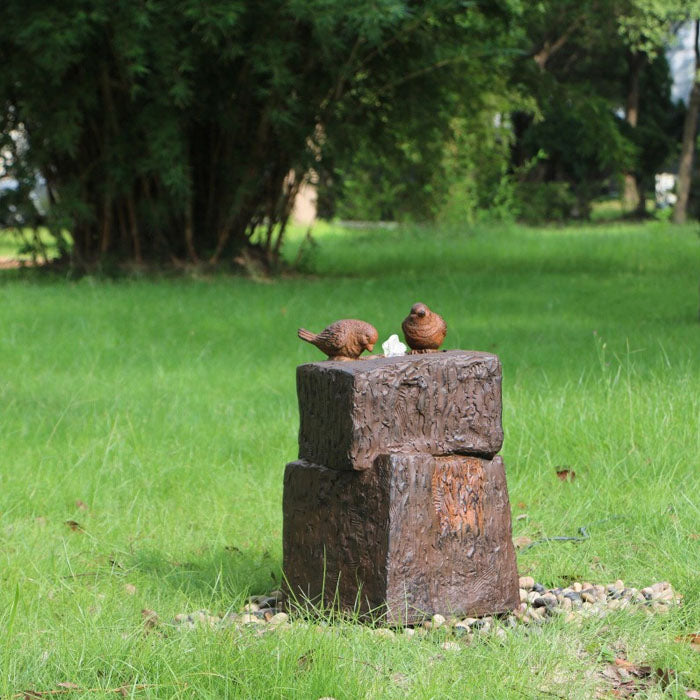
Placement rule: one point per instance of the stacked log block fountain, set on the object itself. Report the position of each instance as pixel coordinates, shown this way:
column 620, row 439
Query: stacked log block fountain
column 398, row 505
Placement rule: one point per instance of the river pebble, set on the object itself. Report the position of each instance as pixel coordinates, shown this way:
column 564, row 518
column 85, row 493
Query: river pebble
column 538, row 604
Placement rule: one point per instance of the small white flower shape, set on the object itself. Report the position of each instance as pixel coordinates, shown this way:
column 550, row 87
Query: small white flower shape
column 393, row 347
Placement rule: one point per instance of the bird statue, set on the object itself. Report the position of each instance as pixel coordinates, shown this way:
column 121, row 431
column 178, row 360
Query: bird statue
column 423, row 329
column 343, row 340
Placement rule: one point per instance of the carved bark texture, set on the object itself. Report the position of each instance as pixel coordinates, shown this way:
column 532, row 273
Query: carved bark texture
column 439, row 403
column 414, row 536
column 335, row 535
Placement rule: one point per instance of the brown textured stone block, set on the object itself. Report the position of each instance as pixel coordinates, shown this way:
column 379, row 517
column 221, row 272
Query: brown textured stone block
column 413, row 536
column 440, row 403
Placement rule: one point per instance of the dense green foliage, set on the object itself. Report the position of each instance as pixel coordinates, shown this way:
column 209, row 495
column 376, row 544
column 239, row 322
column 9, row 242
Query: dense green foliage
column 159, row 415
column 182, row 131
column 583, row 98
column 604, row 91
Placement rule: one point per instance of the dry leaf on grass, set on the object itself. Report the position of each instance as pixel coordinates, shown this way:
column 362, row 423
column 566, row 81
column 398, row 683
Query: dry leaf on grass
column 68, row 684
column 665, row 676
column 624, row 684
column 80, row 505
column 150, row 619
column 522, row 541
column 74, row 526
column 130, row 589
column 692, row 694
column 400, row 679
column 305, row 661
column 565, row 474
column 633, row 669
column 628, row 679
column 692, row 639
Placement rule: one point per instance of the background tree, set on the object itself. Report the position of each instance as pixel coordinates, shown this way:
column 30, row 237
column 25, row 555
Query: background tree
column 571, row 144
column 646, row 27
column 603, row 92
column 685, row 169
column 181, row 132
column 420, row 169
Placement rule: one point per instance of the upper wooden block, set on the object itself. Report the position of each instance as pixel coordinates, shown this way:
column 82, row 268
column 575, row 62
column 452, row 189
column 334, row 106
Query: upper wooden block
column 439, row 403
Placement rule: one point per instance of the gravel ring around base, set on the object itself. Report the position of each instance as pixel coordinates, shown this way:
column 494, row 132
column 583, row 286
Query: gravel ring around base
column 537, row 605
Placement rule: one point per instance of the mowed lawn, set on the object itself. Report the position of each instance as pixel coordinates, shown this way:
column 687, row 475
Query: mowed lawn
column 145, row 425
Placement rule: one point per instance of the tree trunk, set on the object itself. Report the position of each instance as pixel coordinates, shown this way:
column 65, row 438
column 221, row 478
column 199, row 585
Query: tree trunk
column 641, row 209
column 685, row 169
column 630, row 194
column 631, row 197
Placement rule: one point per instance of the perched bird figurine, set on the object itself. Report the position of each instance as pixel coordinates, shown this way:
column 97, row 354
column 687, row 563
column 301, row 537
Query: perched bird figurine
column 343, row 340
column 423, row 329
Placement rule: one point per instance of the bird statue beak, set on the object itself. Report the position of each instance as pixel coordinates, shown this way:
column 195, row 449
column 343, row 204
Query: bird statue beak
column 370, row 347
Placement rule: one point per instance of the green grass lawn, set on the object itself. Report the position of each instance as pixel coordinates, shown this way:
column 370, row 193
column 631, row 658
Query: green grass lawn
column 159, row 415
column 13, row 245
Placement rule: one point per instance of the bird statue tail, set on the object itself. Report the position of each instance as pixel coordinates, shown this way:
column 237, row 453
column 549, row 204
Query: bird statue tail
column 308, row 336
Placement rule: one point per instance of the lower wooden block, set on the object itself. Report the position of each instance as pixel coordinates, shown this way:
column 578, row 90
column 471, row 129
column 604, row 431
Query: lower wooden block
column 412, row 536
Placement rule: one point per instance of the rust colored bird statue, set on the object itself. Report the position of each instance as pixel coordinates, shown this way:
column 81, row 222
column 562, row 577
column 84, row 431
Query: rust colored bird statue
column 423, row 329
column 343, row 340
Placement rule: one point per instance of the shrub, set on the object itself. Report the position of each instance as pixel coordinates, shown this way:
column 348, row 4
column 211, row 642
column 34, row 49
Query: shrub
column 538, row 202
